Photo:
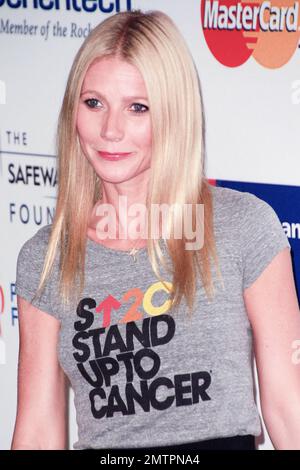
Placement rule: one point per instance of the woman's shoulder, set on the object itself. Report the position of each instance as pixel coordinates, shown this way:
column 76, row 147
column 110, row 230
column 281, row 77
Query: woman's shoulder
column 43, row 233
column 229, row 195
column 38, row 241
column 228, row 201
column 253, row 220
column 245, row 214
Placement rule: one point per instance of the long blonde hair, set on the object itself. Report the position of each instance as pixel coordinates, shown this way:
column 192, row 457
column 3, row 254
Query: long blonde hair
column 151, row 42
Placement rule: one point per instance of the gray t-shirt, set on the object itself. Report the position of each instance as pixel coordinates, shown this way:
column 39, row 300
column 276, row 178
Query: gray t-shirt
column 143, row 375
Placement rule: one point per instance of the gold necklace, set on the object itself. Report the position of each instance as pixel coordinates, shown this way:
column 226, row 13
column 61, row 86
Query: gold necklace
column 134, row 251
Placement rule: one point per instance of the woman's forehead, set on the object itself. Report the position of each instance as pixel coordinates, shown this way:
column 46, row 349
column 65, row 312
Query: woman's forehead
column 115, row 73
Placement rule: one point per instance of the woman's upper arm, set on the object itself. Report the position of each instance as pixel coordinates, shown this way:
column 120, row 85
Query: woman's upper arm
column 41, row 420
column 273, row 310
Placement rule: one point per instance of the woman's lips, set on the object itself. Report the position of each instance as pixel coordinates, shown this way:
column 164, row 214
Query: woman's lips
column 114, row 156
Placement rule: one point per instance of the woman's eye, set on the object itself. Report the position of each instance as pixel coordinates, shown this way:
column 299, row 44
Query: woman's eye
column 92, row 102
column 138, row 107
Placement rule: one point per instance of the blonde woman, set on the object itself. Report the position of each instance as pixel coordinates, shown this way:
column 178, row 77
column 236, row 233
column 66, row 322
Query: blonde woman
column 154, row 337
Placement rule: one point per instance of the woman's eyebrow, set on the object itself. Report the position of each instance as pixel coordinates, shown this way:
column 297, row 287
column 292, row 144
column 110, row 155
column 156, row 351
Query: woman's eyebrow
column 125, row 98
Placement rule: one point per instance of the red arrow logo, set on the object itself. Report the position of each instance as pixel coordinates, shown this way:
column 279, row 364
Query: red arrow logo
column 107, row 306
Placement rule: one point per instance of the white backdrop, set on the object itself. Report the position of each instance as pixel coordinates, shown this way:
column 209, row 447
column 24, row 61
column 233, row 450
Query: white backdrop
column 252, row 118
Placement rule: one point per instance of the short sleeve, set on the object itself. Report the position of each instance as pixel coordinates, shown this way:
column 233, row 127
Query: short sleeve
column 29, row 268
column 262, row 237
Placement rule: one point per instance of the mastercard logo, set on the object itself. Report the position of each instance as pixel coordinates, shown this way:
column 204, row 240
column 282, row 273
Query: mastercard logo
column 268, row 31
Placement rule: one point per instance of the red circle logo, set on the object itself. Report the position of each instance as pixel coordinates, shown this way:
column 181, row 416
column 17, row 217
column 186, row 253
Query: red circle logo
column 269, row 31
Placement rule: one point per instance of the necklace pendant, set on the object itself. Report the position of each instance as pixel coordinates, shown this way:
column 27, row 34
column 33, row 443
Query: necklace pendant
column 133, row 253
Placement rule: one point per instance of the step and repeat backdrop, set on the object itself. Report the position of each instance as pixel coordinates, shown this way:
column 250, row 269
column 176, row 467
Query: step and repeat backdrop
column 248, row 58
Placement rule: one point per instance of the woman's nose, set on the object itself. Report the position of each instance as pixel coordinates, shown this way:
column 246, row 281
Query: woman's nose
column 112, row 125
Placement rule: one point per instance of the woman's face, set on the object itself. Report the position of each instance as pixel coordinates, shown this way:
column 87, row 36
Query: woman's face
column 113, row 116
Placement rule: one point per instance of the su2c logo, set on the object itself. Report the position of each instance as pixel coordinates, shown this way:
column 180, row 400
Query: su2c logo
column 269, row 31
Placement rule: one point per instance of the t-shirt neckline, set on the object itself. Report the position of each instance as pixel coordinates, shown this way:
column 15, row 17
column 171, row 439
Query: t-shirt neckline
column 114, row 250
